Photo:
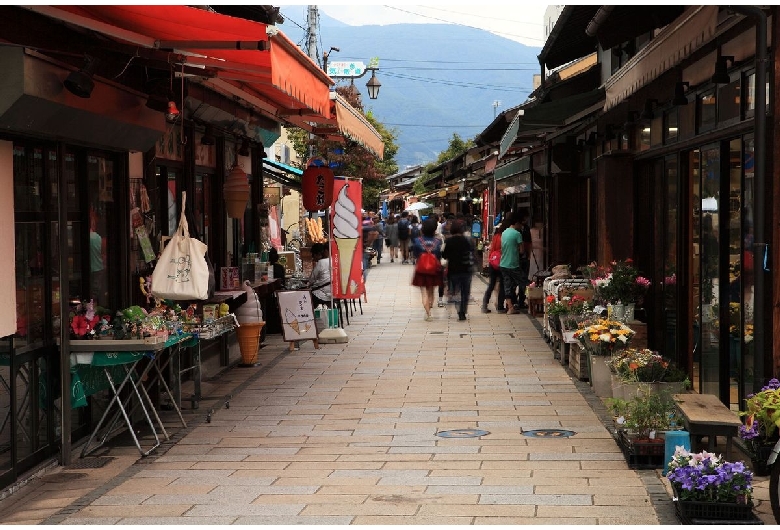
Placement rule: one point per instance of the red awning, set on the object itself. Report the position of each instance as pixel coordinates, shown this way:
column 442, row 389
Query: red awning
column 246, row 55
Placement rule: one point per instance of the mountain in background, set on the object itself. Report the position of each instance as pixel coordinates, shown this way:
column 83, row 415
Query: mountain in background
column 437, row 79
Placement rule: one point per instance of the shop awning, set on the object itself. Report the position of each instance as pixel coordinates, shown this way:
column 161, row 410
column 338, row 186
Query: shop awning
column 280, row 173
column 250, row 56
column 670, row 47
column 546, row 117
column 351, row 123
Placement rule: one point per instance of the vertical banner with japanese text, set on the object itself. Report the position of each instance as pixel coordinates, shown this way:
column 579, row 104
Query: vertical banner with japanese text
column 346, row 245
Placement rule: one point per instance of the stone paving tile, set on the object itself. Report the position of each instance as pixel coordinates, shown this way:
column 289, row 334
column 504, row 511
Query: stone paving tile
column 180, row 521
column 92, row 520
column 406, row 520
column 239, row 510
column 295, row 520
column 536, row 520
column 173, row 510
column 128, row 499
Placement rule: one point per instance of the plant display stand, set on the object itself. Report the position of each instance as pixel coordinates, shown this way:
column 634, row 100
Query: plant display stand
column 578, row 362
column 721, row 513
column 642, row 454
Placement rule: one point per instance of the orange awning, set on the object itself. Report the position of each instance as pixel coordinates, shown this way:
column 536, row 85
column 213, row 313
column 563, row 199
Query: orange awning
column 246, row 55
column 356, row 127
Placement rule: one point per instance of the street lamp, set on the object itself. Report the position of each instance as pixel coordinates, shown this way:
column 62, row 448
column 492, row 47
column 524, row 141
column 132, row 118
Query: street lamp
column 373, row 84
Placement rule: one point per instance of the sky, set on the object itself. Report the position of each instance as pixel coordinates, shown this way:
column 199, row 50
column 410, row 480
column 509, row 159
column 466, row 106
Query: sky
column 520, row 21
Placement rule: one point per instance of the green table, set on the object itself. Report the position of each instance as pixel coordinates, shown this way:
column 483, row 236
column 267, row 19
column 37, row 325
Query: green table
column 111, row 365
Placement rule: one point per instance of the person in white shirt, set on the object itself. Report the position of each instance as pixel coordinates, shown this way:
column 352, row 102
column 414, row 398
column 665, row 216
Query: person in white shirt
column 319, row 281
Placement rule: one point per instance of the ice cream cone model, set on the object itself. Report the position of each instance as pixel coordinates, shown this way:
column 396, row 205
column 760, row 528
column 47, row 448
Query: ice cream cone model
column 249, row 341
column 346, row 232
column 346, row 252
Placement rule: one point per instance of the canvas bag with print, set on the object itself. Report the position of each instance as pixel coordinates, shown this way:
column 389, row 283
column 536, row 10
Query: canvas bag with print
column 181, row 272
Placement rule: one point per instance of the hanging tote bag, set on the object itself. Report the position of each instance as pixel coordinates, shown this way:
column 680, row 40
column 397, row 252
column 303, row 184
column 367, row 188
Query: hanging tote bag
column 427, row 262
column 181, row 272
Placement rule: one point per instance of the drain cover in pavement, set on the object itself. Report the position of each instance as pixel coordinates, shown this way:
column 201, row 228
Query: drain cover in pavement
column 549, row 433
column 462, row 433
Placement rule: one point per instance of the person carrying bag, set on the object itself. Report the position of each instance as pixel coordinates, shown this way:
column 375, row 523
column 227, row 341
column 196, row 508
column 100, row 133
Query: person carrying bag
column 182, row 272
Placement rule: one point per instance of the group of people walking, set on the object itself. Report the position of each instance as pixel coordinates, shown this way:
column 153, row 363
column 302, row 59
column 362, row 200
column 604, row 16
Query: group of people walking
column 444, row 255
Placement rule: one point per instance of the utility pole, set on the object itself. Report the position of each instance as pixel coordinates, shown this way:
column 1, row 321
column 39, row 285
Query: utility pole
column 311, row 23
column 496, row 104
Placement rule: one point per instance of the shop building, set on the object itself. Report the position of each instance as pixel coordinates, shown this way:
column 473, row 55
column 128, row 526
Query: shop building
column 108, row 114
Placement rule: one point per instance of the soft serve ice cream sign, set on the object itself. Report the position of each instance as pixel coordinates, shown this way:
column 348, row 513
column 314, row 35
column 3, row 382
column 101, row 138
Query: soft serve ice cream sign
column 347, row 238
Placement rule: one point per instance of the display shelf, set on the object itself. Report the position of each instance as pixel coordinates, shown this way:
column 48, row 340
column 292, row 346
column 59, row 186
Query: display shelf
column 213, row 329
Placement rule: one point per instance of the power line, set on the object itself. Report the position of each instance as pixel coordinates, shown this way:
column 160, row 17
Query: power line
column 472, row 15
column 459, row 24
column 456, row 83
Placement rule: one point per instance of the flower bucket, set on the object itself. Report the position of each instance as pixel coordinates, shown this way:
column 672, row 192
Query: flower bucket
column 616, row 312
column 599, row 375
column 629, row 315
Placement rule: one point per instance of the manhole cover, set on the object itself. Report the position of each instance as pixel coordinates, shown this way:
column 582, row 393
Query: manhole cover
column 63, row 477
column 549, row 433
column 90, row 463
column 462, row 433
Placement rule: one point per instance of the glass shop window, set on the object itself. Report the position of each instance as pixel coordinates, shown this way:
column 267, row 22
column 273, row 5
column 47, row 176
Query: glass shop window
column 729, row 102
column 102, row 227
column 670, row 126
column 707, row 111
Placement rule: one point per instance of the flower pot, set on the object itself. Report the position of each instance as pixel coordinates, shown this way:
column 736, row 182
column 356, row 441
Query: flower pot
column 629, row 315
column 642, row 453
column 759, row 453
column 599, row 375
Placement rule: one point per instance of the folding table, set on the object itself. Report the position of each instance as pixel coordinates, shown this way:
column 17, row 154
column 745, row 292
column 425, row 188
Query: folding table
column 115, row 362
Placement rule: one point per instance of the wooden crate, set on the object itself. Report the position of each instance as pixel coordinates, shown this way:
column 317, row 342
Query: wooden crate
column 578, row 362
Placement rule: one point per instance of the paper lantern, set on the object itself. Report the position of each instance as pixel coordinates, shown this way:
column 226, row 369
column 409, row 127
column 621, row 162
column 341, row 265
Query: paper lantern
column 317, row 188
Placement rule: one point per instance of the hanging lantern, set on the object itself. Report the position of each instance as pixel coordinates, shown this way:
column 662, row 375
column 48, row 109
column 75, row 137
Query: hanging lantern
column 236, row 192
column 317, row 188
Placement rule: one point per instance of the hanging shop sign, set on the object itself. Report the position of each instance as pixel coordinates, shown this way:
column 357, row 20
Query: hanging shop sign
column 317, row 187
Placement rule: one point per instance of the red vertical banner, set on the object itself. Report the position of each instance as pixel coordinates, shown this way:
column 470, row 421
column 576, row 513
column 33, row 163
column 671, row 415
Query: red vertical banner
column 346, row 244
column 486, row 232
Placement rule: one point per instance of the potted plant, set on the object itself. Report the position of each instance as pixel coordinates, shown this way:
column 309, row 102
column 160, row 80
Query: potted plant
column 643, row 369
column 640, row 422
column 760, row 432
column 707, row 487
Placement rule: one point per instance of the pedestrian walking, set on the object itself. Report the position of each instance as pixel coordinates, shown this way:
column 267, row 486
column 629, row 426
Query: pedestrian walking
column 391, row 237
column 495, row 272
column 511, row 248
column 426, row 278
column 380, row 238
column 404, row 228
column 459, row 253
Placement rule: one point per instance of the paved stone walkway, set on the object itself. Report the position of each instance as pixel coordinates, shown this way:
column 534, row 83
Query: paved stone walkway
column 350, row 434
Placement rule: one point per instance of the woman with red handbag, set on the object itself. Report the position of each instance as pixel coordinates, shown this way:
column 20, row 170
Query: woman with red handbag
column 494, row 256
column 426, row 250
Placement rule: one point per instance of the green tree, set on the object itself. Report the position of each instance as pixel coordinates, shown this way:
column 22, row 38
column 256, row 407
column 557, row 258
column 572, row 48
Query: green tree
column 355, row 160
column 457, row 146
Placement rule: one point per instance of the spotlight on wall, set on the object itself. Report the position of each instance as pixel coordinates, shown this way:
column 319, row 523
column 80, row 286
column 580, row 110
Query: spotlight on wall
column 679, row 93
column 721, row 75
column 208, row 136
column 80, row 83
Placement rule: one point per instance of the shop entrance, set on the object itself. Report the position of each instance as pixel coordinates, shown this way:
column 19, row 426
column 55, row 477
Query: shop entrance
column 720, row 185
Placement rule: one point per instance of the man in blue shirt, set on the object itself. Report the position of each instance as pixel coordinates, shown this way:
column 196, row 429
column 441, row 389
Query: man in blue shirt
column 511, row 272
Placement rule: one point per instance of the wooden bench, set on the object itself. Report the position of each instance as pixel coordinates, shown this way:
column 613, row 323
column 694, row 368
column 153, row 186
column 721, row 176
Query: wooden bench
column 706, row 415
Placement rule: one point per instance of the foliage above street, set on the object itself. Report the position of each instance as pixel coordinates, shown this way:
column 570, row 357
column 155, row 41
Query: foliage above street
column 355, row 161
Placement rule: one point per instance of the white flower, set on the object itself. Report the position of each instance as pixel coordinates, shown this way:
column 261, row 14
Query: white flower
column 623, row 338
column 606, row 337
